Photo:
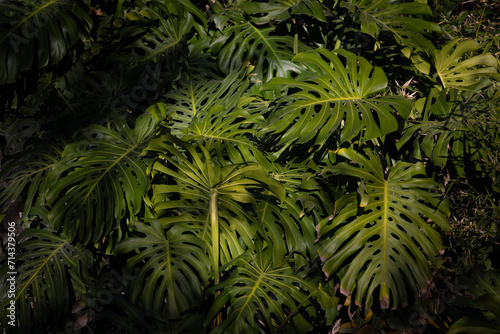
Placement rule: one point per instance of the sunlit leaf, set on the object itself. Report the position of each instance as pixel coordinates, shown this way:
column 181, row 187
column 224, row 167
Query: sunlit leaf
column 455, row 69
column 338, row 95
column 194, row 99
column 187, row 201
column 244, row 43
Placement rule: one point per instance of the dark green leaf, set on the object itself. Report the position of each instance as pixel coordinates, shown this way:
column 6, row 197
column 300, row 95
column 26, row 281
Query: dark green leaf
column 261, row 295
column 172, row 268
column 37, row 34
column 44, row 261
column 103, row 178
column 387, row 240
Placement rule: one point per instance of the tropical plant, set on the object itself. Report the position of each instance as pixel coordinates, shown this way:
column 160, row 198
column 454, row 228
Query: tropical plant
column 232, row 166
column 393, row 206
column 483, row 287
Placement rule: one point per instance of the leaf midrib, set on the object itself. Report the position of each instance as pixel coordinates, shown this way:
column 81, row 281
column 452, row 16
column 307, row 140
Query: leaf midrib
column 257, row 283
column 385, row 220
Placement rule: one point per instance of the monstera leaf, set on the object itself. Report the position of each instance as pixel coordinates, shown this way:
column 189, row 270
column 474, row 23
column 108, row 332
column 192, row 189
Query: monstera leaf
column 17, row 133
column 45, row 264
column 244, row 43
column 441, row 128
column 103, row 178
column 467, row 325
column 210, row 198
column 30, row 171
column 484, row 286
column 164, row 37
column 38, row 33
column 161, row 28
column 231, row 133
column 483, row 282
column 290, row 226
column 264, row 12
column 336, row 95
column 457, row 128
column 396, row 18
column 172, row 268
column 261, row 295
column 382, row 242
column 196, row 98
column 455, row 69
column 227, row 136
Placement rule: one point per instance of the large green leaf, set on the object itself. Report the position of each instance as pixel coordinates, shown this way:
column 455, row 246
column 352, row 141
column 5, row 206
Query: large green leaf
column 30, row 171
column 38, row 33
column 45, row 262
column 290, row 232
column 260, row 295
column 196, row 98
column 483, row 282
column 383, row 240
column 403, row 20
column 17, row 133
column 264, row 12
column 484, row 287
column 339, row 94
column 456, row 128
column 455, row 69
column 231, row 133
column 103, row 178
column 441, row 128
column 188, row 198
column 290, row 227
column 467, row 325
column 244, row 44
column 170, row 268
column 166, row 26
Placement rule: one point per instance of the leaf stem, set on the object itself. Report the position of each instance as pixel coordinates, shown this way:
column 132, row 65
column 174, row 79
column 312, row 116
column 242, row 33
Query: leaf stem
column 214, row 221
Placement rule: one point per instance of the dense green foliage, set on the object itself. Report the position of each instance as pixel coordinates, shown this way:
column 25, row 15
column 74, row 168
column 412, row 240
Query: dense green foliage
column 249, row 166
